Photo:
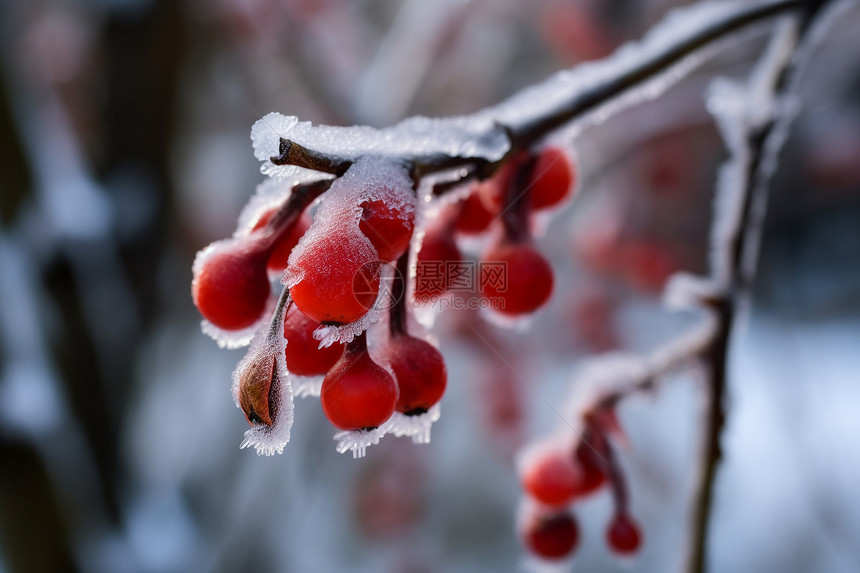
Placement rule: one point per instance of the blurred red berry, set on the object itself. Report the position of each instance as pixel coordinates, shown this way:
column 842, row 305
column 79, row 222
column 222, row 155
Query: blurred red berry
column 526, row 281
column 623, row 535
column 437, row 264
column 551, row 536
column 476, row 213
column 552, row 178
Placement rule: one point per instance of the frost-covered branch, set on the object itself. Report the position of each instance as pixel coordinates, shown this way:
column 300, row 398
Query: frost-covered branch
column 475, row 146
column 754, row 119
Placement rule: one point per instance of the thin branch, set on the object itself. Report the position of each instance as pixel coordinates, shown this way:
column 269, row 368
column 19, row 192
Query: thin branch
column 581, row 97
column 762, row 130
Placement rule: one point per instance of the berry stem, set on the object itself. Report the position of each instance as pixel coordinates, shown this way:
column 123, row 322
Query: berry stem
column 397, row 316
column 358, row 345
column 612, row 469
column 517, row 203
column 288, row 214
column 276, row 325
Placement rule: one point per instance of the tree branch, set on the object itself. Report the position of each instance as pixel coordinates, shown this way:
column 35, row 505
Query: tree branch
column 573, row 94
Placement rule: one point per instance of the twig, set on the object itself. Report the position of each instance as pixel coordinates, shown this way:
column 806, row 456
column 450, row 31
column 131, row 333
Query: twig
column 762, row 128
column 609, row 80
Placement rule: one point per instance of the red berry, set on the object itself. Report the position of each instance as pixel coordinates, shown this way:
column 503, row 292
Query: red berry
column 648, row 265
column 551, row 477
column 526, row 283
column 388, row 229
column 552, row 536
column 623, row 535
column 357, row 393
column 437, row 264
column 475, row 213
column 420, row 372
column 304, row 356
column 231, row 287
column 339, row 280
column 285, row 244
column 552, row 178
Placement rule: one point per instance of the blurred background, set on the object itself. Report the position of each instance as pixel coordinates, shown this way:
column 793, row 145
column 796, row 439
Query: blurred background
column 124, row 148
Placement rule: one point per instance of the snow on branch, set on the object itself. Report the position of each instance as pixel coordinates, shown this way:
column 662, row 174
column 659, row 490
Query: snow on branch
column 478, row 144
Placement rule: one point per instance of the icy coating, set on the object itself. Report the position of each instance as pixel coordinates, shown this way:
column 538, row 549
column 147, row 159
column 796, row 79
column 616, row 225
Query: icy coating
column 268, row 342
column 357, row 441
column 415, row 427
column 463, row 136
column 339, row 214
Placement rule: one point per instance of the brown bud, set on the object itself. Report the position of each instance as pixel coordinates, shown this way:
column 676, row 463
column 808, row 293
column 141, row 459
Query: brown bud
column 258, row 390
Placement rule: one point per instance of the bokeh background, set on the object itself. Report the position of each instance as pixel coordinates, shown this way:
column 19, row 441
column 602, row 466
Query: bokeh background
column 124, row 149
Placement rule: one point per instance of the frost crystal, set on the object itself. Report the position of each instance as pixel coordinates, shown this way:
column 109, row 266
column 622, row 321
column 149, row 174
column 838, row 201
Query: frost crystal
column 415, row 427
column 357, row 441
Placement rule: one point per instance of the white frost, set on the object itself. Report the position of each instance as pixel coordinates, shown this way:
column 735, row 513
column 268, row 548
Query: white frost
column 415, row 427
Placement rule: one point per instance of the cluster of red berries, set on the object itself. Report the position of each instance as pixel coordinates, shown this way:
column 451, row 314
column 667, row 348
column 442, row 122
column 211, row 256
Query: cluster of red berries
column 339, row 283
column 527, row 184
column 555, row 475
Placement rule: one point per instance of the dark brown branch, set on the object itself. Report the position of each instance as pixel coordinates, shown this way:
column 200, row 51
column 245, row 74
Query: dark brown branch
column 291, row 153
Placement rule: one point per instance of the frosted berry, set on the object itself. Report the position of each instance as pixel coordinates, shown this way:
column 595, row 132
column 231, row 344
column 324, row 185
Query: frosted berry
column 339, row 281
column 284, row 245
column 420, row 372
column 358, row 393
column 476, row 212
column 304, row 356
column 551, row 536
column 623, row 535
column 388, row 229
column 551, row 477
column 526, row 283
column 437, row 264
column 552, row 178
column 231, row 286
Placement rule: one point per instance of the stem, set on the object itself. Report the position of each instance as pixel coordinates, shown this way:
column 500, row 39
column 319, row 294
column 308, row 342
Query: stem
column 283, row 221
column 515, row 214
column 358, row 345
column 276, row 325
column 762, row 139
column 397, row 316
column 715, row 418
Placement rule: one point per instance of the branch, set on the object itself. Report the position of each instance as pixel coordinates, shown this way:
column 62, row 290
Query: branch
column 754, row 133
column 494, row 134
